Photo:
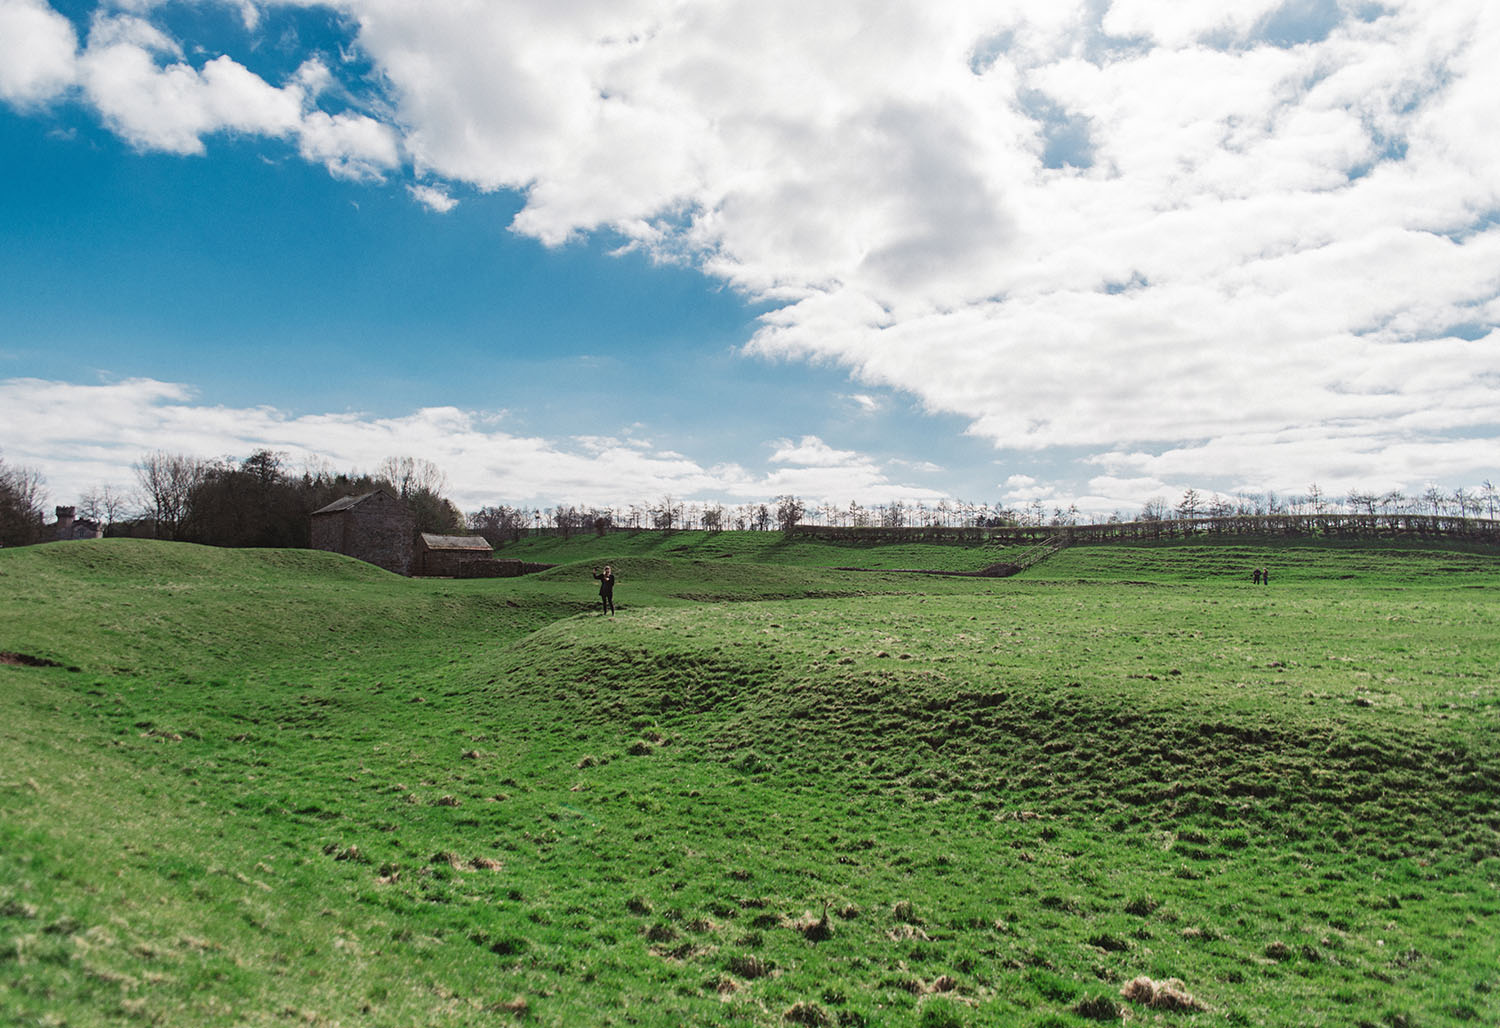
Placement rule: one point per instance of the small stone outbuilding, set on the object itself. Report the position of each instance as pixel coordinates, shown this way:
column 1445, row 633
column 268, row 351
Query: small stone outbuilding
column 446, row 555
column 375, row 527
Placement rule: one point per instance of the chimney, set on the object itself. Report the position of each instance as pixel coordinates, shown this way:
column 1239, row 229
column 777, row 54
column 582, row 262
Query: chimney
column 65, row 522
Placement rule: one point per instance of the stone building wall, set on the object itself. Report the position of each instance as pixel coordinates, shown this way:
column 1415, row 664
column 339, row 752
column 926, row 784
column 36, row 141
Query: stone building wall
column 444, row 556
column 327, row 532
column 443, row 563
column 376, row 528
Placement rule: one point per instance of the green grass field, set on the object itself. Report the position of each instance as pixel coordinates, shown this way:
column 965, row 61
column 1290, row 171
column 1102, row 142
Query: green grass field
column 286, row 788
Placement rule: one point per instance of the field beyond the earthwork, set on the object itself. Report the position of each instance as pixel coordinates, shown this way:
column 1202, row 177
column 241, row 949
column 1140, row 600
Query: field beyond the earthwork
column 285, row 788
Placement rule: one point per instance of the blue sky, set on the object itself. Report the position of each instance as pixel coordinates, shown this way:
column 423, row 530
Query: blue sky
column 1090, row 253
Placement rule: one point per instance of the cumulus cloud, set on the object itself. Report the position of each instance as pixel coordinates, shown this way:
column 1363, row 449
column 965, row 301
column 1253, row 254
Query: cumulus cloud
column 810, row 451
column 1122, row 231
column 171, row 108
column 810, row 468
column 1274, row 216
column 433, row 198
column 84, row 436
column 37, row 48
column 142, row 85
column 351, row 146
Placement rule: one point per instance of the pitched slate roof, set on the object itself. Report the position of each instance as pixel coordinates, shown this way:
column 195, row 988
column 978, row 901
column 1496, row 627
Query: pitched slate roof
column 345, row 502
column 456, row 542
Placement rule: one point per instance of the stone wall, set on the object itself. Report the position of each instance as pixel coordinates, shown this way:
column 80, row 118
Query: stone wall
column 444, row 563
column 498, row 568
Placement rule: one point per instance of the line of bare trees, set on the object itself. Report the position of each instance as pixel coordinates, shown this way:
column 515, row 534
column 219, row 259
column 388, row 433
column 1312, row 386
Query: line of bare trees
column 261, row 501
column 1480, row 502
column 503, row 523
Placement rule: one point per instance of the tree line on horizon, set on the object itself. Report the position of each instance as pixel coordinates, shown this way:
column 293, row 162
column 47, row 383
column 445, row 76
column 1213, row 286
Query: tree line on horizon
column 257, row 501
column 510, row 523
column 261, row 501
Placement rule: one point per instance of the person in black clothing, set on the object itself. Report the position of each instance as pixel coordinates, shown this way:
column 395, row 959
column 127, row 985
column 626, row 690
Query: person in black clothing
column 606, row 589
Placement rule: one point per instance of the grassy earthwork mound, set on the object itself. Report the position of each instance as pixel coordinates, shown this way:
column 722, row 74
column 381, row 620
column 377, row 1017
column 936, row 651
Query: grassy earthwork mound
column 283, row 787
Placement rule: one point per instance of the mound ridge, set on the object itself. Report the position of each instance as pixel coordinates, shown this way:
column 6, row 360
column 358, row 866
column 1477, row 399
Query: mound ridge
column 280, row 786
column 910, row 726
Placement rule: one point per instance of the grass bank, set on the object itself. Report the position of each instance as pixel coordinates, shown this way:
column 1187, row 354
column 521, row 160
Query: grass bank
column 281, row 787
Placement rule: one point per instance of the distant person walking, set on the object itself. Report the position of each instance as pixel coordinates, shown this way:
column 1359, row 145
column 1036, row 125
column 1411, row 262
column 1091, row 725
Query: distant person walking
column 1255, row 576
column 1265, row 576
column 606, row 589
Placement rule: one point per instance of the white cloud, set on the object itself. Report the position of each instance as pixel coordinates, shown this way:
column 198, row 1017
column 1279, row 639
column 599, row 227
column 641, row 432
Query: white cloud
column 1263, row 242
column 433, row 198
column 1277, row 219
column 864, row 403
column 352, row 146
column 142, row 85
column 1182, row 25
column 37, row 48
column 84, row 436
column 812, row 469
column 171, row 108
column 810, row 451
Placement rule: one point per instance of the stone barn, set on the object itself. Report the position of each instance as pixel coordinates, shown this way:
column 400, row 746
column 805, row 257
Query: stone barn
column 375, row 527
column 445, row 555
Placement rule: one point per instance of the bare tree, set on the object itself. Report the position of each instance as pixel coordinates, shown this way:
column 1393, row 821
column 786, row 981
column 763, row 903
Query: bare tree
column 1316, row 499
column 1435, row 499
column 893, row 515
column 1487, row 490
column 101, row 504
column 1154, row 510
column 1187, row 507
column 167, row 481
column 713, row 517
column 21, row 494
column 411, row 475
column 499, row 524
column 789, row 511
column 664, row 513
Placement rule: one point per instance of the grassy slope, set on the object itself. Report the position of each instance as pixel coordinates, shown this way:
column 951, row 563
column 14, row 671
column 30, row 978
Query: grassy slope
column 1014, row 795
column 754, row 547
